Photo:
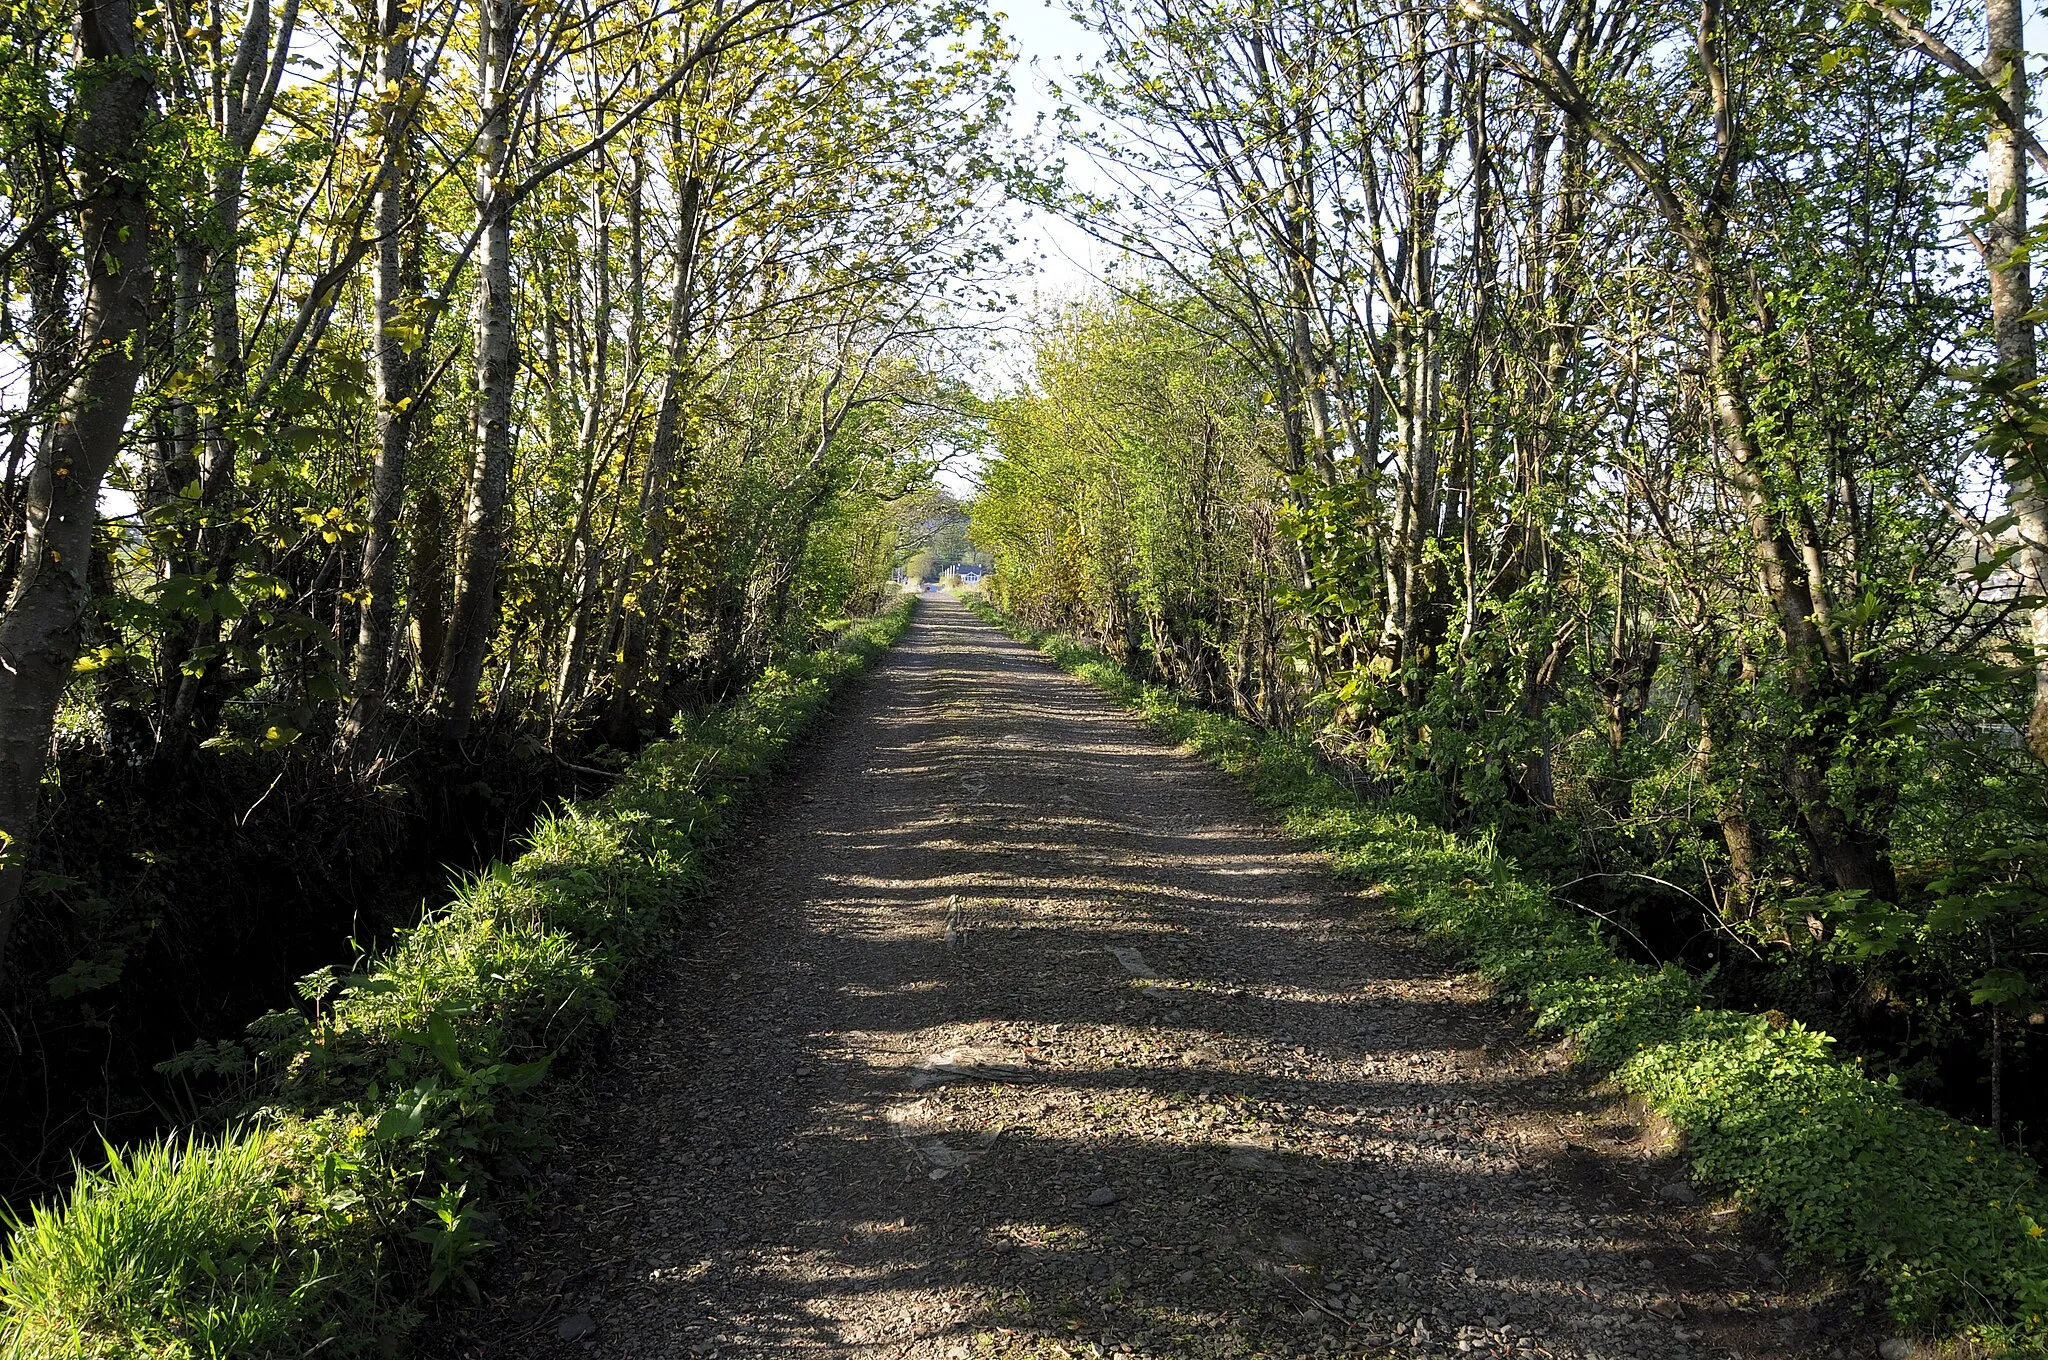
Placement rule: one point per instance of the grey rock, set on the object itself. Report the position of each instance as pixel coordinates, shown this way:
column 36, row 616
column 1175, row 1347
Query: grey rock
column 1101, row 1197
column 1133, row 962
column 1895, row 1348
column 1678, row 1192
column 576, row 1326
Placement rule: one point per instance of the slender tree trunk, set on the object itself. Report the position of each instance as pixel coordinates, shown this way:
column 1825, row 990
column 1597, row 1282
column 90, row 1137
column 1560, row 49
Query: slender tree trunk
column 427, row 578
column 655, row 489
column 583, row 549
column 242, row 100
column 40, row 630
column 397, row 382
column 2012, row 304
column 474, row 616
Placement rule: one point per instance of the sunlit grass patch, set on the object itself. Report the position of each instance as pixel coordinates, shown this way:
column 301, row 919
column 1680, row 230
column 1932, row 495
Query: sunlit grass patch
column 200, row 1247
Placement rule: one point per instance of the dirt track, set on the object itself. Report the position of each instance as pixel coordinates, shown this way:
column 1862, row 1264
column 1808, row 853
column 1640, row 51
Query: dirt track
column 1014, row 1029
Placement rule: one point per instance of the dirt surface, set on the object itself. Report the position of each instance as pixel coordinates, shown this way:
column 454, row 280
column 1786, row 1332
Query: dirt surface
column 1015, row 1032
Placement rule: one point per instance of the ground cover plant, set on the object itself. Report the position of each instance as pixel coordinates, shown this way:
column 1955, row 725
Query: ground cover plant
column 1853, row 1173
column 384, row 1127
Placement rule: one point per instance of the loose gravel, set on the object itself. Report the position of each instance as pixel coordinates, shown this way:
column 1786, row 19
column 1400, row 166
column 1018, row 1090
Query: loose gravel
column 1015, row 1032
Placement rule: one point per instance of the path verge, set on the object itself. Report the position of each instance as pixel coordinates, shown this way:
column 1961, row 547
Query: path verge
column 379, row 1129
column 1852, row 1173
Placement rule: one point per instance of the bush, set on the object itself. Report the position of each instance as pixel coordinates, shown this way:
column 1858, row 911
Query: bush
column 1851, row 1172
column 375, row 1124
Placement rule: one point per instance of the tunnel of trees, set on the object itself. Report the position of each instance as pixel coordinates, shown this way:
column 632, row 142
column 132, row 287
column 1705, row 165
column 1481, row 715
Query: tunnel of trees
column 1606, row 427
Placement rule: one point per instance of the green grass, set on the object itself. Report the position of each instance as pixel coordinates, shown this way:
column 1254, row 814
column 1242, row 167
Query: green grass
column 1850, row 1172
column 381, row 1125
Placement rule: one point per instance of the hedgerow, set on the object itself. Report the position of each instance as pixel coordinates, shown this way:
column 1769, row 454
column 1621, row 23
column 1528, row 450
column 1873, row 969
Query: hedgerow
column 357, row 1174
column 1852, row 1173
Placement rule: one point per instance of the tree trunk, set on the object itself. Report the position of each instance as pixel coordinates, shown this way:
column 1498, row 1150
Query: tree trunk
column 241, row 103
column 2012, row 303
column 397, row 384
column 583, row 547
column 40, row 629
column 474, row 616
column 427, row 582
column 622, row 718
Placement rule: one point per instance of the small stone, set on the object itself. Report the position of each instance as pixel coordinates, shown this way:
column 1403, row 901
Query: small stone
column 576, row 1326
column 1668, row 1309
column 1678, row 1192
column 1132, row 961
column 1101, row 1197
column 1895, row 1348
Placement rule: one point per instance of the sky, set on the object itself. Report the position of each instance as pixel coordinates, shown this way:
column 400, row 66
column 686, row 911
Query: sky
column 1062, row 260
column 1051, row 47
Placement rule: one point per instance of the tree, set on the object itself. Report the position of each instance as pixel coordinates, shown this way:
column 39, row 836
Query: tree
column 39, row 632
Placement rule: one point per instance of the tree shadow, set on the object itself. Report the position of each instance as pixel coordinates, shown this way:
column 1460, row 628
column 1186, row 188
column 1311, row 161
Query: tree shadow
column 907, row 1089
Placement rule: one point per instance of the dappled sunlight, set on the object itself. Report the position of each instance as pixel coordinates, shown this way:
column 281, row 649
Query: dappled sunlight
column 1090, row 1059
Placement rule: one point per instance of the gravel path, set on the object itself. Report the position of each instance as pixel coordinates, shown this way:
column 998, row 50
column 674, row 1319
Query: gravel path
column 1015, row 1032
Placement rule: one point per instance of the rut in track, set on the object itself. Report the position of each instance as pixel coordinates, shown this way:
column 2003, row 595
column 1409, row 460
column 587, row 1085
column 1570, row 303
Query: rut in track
column 1013, row 1027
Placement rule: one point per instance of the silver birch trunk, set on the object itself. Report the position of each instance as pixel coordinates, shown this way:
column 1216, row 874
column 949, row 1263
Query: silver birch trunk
column 473, row 618
column 2012, row 302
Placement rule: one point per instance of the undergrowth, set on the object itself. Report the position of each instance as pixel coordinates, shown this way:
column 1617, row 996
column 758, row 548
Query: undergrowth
column 358, row 1173
column 1851, row 1172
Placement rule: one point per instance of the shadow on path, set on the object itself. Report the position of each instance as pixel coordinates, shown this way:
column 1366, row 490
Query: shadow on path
column 1015, row 1032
